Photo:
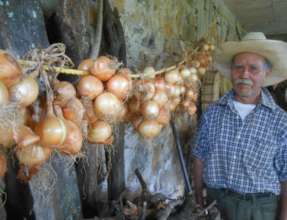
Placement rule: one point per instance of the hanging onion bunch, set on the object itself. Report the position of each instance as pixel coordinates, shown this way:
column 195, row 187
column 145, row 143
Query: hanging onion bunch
column 104, row 93
column 201, row 57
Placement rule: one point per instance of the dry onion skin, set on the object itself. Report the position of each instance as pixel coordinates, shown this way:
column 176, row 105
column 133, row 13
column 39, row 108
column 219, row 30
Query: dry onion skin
column 90, row 86
column 74, row 111
column 64, row 91
column 120, row 86
column 108, row 107
column 150, row 109
column 33, row 155
column 52, row 131
column 10, row 70
column 24, row 92
column 74, row 139
column 99, row 132
column 24, row 136
column 149, row 128
column 164, row 116
column 173, row 77
column 104, row 68
column 86, row 65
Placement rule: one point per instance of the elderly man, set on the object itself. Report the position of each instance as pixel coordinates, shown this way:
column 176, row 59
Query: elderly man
column 241, row 146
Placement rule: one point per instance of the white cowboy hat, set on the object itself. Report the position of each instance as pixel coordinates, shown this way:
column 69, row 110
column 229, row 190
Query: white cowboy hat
column 255, row 42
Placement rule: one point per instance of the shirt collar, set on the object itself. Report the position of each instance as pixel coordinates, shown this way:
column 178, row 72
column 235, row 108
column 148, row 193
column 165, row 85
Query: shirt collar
column 265, row 99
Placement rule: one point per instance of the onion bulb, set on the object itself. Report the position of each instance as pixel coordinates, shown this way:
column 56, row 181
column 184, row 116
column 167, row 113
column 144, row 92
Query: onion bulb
column 150, row 109
column 52, row 131
column 192, row 108
column 173, row 103
column 150, row 128
column 108, row 106
column 4, row 94
column 149, row 72
column 24, row 136
column 104, row 68
column 74, row 139
column 120, row 86
column 185, row 72
column 160, row 97
column 173, row 77
column 90, row 86
column 24, row 92
column 201, row 70
column 74, row 111
column 9, row 68
column 174, row 90
column 191, row 94
column 64, row 90
column 86, row 65
column 99, row 132
column 3, row 165
column 33, row 155
column 146, row 89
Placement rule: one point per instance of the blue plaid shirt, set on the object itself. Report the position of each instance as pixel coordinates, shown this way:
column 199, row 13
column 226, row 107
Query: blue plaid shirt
column 249, row 155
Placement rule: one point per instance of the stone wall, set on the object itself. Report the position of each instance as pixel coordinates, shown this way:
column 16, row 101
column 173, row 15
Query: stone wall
column 154, row 29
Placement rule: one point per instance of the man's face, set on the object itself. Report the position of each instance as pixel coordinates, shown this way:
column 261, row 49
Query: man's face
column 248, row 72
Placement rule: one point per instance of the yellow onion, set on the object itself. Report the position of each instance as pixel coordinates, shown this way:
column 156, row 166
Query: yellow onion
column 9, row 68
column 149, row 72
column 33, row 155
column 74, row 111
column 3, row 165
column 108, row 106
column 146, row 89
column 164, row 116
column 24, row 136
column 90, row 86
column 173, row 77
column 24, row 92
column 150, row 109
column 99, row 132
column 64, row 90
column 173, row 103
column 150, row 128
column 174, row 90
column 191, row 94
column 74, row 139
column 192, row 108
column 52, row 131
column 160, row 97
column 195, row 63
column 86, row 65
column 120, row 86
column 185, row 72
column 104, row 68
column 201, row 70
column 4, row 94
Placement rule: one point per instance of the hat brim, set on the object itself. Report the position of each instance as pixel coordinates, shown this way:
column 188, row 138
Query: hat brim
column 273, row 50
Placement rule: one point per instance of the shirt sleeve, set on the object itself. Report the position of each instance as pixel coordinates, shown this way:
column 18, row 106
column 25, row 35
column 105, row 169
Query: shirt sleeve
column 281, row 159
column 201, row 144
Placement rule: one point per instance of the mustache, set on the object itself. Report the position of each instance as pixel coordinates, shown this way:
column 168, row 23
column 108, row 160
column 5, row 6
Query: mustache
column 244, row 81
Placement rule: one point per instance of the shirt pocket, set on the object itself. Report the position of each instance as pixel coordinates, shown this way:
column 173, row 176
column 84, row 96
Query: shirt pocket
column 259, row 155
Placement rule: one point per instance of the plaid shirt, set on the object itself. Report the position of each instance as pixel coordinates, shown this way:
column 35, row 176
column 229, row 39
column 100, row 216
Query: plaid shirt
column 249, row 155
